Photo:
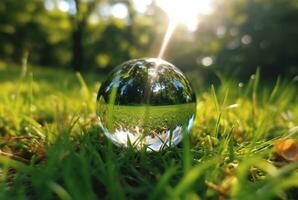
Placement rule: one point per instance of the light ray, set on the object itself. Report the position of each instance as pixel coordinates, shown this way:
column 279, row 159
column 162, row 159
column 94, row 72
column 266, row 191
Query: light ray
column 186, row 12
column 167, row 37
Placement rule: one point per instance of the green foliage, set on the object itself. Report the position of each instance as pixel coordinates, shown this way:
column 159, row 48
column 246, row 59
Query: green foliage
column 241, row 36
column 246, row 35
column 52, row 147
column 260, row 34
column 50, row 36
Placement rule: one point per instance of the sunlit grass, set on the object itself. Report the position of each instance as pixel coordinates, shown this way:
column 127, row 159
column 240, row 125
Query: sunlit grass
column 160, row 118
column 52, row 148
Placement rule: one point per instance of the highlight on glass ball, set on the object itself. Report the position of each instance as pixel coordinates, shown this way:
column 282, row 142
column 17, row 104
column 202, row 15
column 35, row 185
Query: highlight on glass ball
column 146, row 103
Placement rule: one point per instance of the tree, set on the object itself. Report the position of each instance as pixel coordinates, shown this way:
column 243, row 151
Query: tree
column 15, row 20
column 80, row 22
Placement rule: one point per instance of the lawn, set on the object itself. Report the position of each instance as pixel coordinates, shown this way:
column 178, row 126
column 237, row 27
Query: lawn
column 51, row 146
column 154, row 126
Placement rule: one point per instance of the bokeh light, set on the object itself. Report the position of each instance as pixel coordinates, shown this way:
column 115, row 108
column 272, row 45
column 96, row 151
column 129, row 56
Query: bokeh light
column 120, row 11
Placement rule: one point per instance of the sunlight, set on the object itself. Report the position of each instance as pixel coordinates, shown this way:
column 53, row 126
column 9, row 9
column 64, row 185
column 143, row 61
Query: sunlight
column 120, row 11
column 63, row 6
column 141, row 5
column 186, row 12
column 167, row 37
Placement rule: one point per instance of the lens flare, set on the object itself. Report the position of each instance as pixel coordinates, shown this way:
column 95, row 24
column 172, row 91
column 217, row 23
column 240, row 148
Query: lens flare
column 167, row 37
column 186, row 12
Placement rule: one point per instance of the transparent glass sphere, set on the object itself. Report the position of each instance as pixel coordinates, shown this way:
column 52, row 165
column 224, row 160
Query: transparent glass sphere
column 146, row 103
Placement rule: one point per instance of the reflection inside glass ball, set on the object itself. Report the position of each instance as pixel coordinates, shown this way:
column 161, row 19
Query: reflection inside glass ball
column 146, row 103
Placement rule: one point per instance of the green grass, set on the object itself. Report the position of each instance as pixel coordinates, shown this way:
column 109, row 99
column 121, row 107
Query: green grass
column 145, row 125
column 153, row 119
column 52, row 148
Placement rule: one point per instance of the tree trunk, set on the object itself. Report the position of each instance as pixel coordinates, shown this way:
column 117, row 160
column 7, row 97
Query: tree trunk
column 78, row 51
column 80, row 24
column 77, row 35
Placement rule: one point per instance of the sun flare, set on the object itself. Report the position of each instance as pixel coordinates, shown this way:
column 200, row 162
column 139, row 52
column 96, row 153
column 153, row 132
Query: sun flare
column 186, row 12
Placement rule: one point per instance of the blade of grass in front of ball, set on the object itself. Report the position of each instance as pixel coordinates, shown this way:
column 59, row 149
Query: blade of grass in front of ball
column 111, row 104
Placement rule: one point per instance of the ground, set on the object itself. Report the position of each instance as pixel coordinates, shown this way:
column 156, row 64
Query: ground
column 52, row 148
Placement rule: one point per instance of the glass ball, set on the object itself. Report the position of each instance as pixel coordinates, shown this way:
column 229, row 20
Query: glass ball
column 146, row 103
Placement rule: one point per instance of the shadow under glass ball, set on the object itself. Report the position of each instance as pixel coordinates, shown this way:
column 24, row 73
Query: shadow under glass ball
column 146, row 103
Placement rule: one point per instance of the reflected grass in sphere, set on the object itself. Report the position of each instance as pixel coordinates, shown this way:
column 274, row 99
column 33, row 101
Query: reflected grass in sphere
column 146, row 103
